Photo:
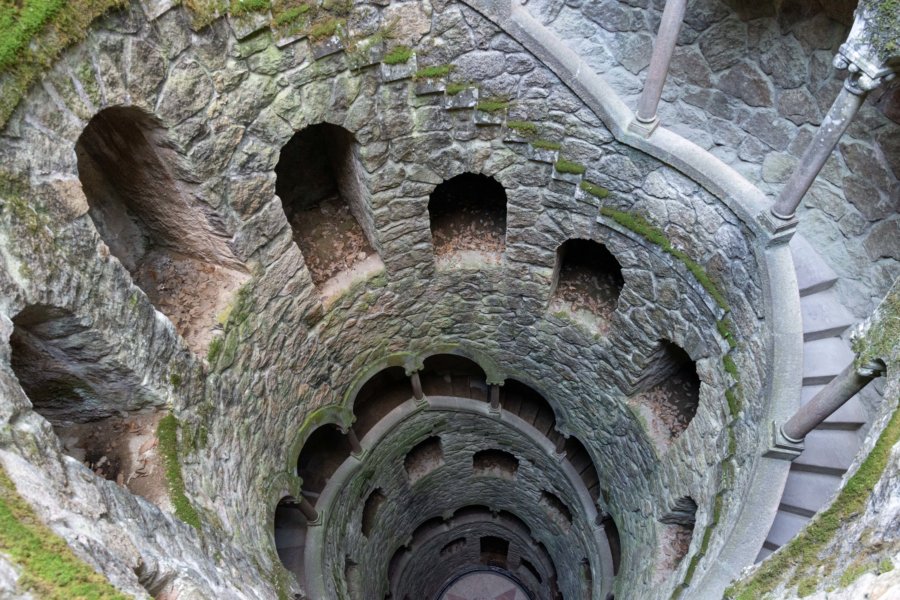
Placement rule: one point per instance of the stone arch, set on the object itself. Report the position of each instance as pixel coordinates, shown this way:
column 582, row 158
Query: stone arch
column 495, row 463
column 324, row 451
column 424, row 458
column 380, row 394
column 453, row 375
column 669, row 391
column 587, row 278
column 290, row 527
column 370, row 510
column 531, row 406
column 494, row 551
column 467, row 213
column 676, row 536
column 319, row 180
column 174, row 247
column 580, row 459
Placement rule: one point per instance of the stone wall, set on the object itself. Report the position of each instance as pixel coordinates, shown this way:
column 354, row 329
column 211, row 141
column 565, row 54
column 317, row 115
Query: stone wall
column 752, row 89
column 228, row 105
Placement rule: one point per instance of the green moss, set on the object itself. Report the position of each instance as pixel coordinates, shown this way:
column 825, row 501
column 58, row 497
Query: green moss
column 341, row 8
column 567, row 166
column 243, row 7
column 524, row 128
column 885, row 565
column 853, row 572
column 594, row 190
column 802, row 554
column 730, row 367
column 639, row 225
column 215, row 349
column 455, row 88
column 398, row 56
column 724, row 328
column 32, row 35
column 326, row 28
column 546, row 145
column 734, row 401
column 880, row 339
column 175, row 379
column 291, row 18
column 434, row 72
column 167, row 433
column 492, row 105
column 807, row 586
column 49, row 568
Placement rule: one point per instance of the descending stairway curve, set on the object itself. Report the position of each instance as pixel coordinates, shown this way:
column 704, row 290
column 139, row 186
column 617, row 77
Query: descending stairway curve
column 829, row 449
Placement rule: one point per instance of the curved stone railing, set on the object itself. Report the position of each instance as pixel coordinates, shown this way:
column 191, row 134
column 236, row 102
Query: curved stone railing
column 315, row 568
column 762, row 493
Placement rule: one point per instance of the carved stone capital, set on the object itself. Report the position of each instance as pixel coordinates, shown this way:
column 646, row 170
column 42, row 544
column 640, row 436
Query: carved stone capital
column 865, row 53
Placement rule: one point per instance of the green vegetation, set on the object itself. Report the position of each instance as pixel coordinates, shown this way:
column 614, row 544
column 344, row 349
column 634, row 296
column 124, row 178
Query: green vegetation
column 455, row 88
column 175, row 379
column 879, row 341
column 594, row 190
column 884, row 33
column 398, row 56
column 32, row 35
column 853, row 572
column 167, row 432
column 491, row 105
column 326, row 28
column 292, row 17
column 885, row 565
column 434, row 72
column 567, row 166
column 639, row 225
column 49, row 568
column 243, row 7
column 546, row 145
column 724, row 328
column 803, row 554
column 731, row 367
column 215, row 349
column 523, row 128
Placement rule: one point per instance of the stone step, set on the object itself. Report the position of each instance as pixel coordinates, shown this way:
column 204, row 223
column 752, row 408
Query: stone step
column 813, row 273
column 823, row 359
column 808, row 491
column 784, row 527
column 764, row 553
column 852, row 415
column 828, row 451
column 824, row 316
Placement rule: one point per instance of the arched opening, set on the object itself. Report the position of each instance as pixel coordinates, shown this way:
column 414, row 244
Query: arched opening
column 495, row 463
column 669, row 392
column 494, row 551
column 453, row 375
column 675, row 538
column 556, row 510
column 324, row 451
column 382, row 393
column 530, row 406
column 290, row 536
column 468, row 214
column 424, row 458
column 96, row 405
column 171, row 244
column 588, row 279
column 370, row 510
column 453, row 547
column 615, row 542
column 530, row 569
column 320, row 182
column 581, row 461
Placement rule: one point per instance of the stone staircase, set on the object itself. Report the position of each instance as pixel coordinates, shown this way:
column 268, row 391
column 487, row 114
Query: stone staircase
column 829, row 449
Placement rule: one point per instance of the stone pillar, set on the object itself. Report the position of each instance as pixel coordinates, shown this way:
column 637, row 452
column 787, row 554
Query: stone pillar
column 663, row 48
column 870, row 61
column 416, row 386
column 844, row 108
column 308, row 510
column 355, row 447
column 495, row 398
column 843, row 387
column 561, row 445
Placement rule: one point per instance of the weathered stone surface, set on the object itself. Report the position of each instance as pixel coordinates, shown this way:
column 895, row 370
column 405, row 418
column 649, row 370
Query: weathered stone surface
column 747, row 82
column 883, row 240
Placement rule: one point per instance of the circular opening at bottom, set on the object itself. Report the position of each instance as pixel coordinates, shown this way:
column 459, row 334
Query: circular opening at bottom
column 485, row 583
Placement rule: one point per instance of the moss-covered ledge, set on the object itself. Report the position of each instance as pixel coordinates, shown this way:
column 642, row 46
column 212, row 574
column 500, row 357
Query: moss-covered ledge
column 48, row 567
